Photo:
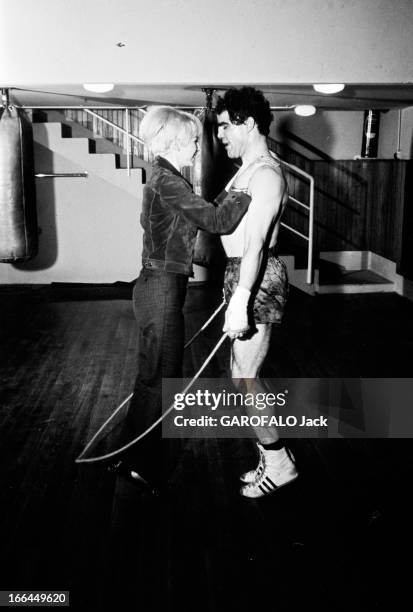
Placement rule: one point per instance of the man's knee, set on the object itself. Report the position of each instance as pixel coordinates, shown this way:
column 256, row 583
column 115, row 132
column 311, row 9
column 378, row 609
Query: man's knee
column 249, row 355
column 244, row 364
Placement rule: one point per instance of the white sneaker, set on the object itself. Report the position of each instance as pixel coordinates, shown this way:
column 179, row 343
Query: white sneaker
column 252, row 475
column 279, row 470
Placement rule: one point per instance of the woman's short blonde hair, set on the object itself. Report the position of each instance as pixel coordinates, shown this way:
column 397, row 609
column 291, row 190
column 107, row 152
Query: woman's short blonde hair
column 164, row 128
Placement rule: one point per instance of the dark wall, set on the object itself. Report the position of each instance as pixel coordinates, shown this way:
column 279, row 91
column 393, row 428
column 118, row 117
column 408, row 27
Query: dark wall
column 359, row 205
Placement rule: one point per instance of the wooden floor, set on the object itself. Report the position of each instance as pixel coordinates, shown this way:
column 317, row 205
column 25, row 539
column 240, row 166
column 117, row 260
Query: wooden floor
column 331, row 541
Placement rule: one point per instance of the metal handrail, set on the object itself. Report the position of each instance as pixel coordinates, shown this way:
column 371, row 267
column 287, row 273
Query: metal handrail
column 310, row 208
column 116, row 127
column 79, row 107
column 121, row 130
column 142, row 108
column 62, row 175
column 299, row 202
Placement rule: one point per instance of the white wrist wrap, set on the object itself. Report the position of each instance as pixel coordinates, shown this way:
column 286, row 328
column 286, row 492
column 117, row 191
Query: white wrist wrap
column 240, row 299
column 236, row 318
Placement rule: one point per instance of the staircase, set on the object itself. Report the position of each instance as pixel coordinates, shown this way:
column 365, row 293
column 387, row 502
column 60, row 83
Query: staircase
column 79, row 145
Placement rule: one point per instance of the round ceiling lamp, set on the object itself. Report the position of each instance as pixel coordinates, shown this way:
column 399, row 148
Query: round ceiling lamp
column 305, row 110
column 98, row 87
column 328, row 88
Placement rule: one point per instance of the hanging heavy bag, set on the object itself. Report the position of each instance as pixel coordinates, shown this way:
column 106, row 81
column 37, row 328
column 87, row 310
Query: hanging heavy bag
column 210, row 177
column 18, row 219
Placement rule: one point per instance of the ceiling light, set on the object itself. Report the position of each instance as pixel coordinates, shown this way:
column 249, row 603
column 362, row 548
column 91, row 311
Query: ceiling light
column 305, row 110
column 98, row 87
column 328, row 88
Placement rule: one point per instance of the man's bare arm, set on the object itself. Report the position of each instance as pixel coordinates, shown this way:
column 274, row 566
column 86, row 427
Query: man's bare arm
column 267, row 192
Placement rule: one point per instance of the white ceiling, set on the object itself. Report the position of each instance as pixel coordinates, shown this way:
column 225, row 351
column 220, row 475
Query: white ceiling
column 353, row 97
column 158, row 51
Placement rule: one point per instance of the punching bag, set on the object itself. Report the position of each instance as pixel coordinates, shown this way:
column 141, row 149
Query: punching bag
column 18, row 219
column 212, row 172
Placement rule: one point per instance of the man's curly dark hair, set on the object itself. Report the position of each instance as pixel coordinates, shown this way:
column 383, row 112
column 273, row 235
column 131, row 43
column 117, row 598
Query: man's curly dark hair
column 243, row 103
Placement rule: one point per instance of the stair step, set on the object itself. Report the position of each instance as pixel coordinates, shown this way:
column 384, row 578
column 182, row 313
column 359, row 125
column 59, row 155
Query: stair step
column 355, row 281
column 335, row 278
column 356, row 288
column 97, row 144
column 331, row 274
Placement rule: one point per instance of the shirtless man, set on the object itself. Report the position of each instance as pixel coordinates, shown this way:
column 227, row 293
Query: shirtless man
column 255, row 283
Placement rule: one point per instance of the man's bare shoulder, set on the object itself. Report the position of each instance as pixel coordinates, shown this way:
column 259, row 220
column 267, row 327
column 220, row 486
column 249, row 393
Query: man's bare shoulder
column 268, row 179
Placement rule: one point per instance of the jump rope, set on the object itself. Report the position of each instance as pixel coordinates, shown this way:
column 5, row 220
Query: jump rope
column 82, row 459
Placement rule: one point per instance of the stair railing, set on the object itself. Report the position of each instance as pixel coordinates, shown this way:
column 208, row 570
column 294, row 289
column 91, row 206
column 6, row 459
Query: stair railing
column 309, row 238
column 142, row 152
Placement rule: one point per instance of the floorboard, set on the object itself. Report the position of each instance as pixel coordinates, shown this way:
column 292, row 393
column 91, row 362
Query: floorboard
column 332, row 540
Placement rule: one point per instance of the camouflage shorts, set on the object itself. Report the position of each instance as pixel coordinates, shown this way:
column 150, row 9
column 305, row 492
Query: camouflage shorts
column 271, row 291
